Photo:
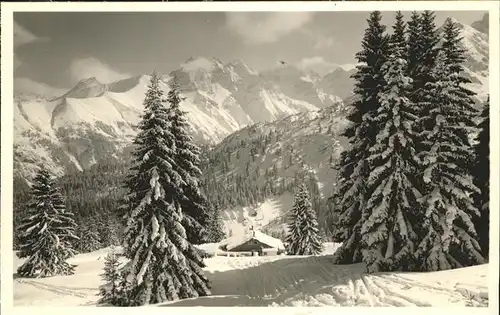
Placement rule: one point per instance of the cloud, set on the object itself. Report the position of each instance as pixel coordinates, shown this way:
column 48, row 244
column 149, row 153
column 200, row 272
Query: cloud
column 93, row 67
column 322, row 66
column 317, row 64
column 324, row 42
column 23, row 37
column 27, row 85
column 268, row 27
column 321, row 41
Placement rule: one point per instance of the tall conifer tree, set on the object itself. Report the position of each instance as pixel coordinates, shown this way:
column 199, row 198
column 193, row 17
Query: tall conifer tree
column 187, row 157
column 393, row 204
column 415, row 50
column 163, row 264
column 448, row 235
column 216, row 228
column 353, row 167
column 47, row 232
column 303, row 230
column 423, row 47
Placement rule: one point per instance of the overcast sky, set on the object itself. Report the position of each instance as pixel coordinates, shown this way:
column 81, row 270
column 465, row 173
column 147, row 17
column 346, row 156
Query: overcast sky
column 59, row 49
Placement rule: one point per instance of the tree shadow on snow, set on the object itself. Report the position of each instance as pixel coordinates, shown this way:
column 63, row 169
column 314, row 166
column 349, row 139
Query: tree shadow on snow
column 279, row 281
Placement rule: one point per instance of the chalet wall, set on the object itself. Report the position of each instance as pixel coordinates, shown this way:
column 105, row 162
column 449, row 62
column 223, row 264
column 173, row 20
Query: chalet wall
column 250, row 245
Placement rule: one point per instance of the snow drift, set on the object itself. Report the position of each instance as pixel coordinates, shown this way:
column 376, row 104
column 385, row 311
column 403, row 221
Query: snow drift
column 277, row 281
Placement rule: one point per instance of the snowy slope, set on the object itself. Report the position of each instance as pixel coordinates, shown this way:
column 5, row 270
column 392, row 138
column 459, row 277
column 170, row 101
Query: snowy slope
column 301, row 86
column 73, row 129
column 338, row 82
column 475, row 40
column 240, row 219
column 306, row 143
column 277, row 281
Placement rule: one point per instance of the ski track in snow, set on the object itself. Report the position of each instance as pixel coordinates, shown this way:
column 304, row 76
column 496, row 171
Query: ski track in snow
column 278, row 281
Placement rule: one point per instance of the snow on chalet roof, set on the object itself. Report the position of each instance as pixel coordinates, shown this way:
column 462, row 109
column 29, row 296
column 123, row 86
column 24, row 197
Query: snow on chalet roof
column 237, row 240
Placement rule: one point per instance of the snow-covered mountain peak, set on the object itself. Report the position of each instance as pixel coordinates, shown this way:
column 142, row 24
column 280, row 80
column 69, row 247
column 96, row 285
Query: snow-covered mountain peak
column 284, row 69
column 89, row 87
column 90, row 81
column 195, row 64
column 241, row 67
column 336, row 72
column 286, row 73
column 128, row 84
column 482, row 25
column 349, row 66
column 92, row 119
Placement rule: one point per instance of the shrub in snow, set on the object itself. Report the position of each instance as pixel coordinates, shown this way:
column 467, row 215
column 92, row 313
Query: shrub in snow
column 351, row 195
column 47, row 232
column 215, row 227
column 303, row 232
column 164, row 265
column 108, row 229
column 119, row 286
column 88, row 238
column 110, row 292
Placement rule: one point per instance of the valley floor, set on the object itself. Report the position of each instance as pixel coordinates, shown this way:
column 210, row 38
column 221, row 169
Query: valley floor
column 278, row 281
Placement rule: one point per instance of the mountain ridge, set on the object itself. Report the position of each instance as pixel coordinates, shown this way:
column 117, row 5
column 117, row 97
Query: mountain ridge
column 220, row 99
column 94, row 121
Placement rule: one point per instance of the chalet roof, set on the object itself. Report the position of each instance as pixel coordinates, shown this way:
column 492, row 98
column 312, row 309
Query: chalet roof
column 238, row 240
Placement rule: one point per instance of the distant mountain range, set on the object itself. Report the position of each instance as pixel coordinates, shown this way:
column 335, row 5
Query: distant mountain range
column 93, row 121
column 74, row 129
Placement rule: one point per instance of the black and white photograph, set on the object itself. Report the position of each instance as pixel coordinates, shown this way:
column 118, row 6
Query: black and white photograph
column 251, row 158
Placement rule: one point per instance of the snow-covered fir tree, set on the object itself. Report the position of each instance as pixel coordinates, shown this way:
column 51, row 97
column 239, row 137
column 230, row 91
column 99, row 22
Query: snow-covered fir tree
column 88, row 237
column 303, row 233
column 187, row 158
column 414, row 46
column 449, row 239
column 108, row 229
column 353, row 167
column 110, row 292
column 46, row 234
column 163, row 264
column 423, row 47
column 482, row 180
column 392, row 206
column 454, row 53
column 423, row 40
column 216, row 226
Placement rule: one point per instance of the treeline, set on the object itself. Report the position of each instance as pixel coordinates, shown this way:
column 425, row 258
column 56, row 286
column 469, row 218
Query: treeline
column 92, row 196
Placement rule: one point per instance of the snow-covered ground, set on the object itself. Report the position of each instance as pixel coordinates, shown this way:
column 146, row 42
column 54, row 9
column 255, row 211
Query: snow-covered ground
column 278, row 281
